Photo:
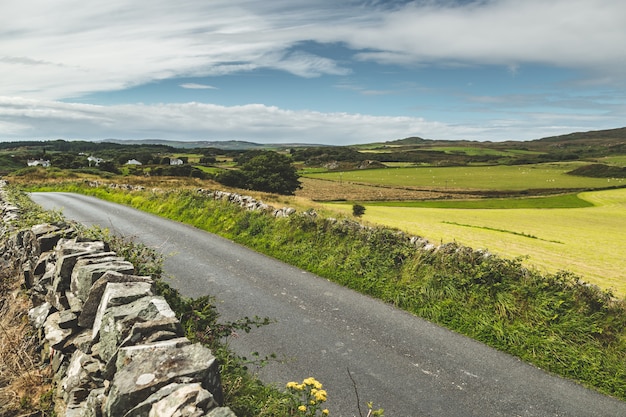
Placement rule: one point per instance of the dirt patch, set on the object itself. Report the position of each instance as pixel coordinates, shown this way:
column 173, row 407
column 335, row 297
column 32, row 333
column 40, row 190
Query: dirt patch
column 323, row 190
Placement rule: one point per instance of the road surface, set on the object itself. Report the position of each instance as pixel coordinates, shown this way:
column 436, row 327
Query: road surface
column 406, row 365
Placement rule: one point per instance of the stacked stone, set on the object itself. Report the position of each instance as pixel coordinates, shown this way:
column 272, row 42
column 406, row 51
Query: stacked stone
column 116, row 348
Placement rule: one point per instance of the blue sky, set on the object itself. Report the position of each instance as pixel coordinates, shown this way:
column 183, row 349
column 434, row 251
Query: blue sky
column 284, row 71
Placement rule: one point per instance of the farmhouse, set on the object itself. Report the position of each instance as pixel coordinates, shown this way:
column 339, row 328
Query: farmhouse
column 94, row 160
column 38, row 162
column 176, row 161
column 133, row 162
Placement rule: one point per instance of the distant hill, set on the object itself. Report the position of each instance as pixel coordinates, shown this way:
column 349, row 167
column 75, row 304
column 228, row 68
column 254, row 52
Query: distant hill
column 231, row 145
column 593, row 135
column 413, row 140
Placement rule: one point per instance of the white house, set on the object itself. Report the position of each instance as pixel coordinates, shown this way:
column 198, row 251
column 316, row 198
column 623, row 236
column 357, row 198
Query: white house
column 38, row 162
column 94, row 160
column 176, row 161
column 133, row 162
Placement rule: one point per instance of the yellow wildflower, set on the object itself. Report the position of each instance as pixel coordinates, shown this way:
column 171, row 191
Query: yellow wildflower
column 320, row 395
column 302, row 408
column 325, row 411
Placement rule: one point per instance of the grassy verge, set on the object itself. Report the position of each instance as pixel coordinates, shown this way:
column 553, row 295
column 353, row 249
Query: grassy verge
column 554, row 321
column 26, row 384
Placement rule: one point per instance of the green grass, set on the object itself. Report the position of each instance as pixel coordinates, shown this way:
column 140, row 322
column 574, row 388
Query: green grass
column 619, row 160
column 551, row 320
column 558, row 201
column 208, row 170
column 593, row 238
column 475, row 151
column 500, row 178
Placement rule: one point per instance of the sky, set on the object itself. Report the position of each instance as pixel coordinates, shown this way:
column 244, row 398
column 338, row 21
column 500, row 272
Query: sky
column 310, row 71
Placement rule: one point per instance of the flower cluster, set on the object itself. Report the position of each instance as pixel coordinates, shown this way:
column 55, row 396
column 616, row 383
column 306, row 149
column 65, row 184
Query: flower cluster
column 308, row 398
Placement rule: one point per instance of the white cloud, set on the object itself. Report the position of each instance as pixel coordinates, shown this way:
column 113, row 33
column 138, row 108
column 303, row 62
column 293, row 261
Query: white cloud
column 34, row 119
column 68, row 48
column 65, row 49
column 196, row 86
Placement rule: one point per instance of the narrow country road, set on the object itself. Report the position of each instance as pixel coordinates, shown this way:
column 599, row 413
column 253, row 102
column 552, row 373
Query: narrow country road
column 407, row 366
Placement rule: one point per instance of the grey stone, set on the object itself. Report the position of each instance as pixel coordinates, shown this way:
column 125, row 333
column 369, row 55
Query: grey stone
column 181, row 400
column 42, row 264
column 68, row 246
column 87, row 271
column 83, row 373
column 67, row 319
column 221, row 412
column 44, row 228
column 64, row 266
column 57, row 359
column 150, row 370
column 80, row 340
column 75, row 374
column 48, row 240
column 117, row 322
column 39, row 314
column 90, row 307
column 125, row 354
column 92, row 406
column 75, row 303
column 74, row 402
column 153, row 331
column 54, row 334
column 117, row 294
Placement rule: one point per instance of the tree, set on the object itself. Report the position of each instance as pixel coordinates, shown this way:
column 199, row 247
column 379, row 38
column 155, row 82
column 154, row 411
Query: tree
column 266, row 171
column 271, row 172
column 358, row 210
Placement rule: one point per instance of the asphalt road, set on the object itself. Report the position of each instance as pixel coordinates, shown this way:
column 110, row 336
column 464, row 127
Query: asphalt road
column 406, row 365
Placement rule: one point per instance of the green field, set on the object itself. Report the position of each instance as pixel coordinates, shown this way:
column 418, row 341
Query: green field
column 469, row 150
column 501, row 177
column 588, row 241
column 556, row 201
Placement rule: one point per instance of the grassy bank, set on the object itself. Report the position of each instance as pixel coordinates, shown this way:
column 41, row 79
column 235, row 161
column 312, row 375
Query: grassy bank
column 586, row 240
column 551, row 320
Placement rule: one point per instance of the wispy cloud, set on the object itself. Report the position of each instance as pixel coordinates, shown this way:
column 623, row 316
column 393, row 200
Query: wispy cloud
column 54, row 52
column 115, row 44
column 196, row 86
column 32, row 119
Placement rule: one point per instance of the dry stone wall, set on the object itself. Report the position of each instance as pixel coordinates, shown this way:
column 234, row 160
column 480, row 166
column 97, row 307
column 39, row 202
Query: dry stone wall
column 116, row 348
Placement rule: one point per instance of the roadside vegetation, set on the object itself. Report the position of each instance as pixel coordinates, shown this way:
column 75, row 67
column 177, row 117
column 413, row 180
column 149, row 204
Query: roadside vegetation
column 26, row 381
column 540, row 210
column 555, row 321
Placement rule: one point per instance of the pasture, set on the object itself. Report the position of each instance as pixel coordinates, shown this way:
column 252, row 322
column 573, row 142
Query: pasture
column 588, row 241
column 500, row 177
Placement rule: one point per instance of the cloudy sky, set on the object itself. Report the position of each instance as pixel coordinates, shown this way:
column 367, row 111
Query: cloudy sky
column 310, row 71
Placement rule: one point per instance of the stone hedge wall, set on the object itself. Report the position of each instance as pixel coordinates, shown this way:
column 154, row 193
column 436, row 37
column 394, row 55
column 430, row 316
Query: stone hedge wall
column 116, row 348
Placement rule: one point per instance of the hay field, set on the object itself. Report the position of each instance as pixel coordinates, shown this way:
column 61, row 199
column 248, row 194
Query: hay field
column 500, row 177
column 590, row 242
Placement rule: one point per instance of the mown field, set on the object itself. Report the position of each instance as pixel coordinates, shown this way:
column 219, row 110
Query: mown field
column 588, row 241
column 501, row 177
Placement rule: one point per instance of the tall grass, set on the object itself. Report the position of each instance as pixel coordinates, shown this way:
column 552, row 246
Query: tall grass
column 554, row 320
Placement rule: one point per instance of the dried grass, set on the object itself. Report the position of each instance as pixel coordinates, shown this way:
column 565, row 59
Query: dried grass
column 22, row 381
column 322, row 190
